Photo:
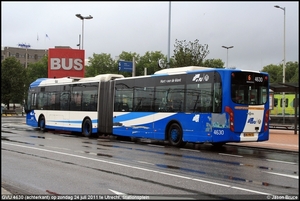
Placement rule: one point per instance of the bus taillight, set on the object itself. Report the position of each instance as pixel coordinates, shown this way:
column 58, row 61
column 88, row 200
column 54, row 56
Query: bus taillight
column 267, row 119
column 231, row 117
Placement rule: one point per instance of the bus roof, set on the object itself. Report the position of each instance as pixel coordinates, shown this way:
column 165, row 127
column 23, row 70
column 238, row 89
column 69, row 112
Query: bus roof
column 102, row 77
column 180, row 70
column 51, row 81
column 47, row 81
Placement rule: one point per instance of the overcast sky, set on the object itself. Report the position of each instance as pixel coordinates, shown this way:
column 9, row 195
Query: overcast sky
column 255, row 29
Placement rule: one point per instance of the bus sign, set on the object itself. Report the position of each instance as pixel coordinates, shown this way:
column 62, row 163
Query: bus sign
column 125, row 66
column 65, row 62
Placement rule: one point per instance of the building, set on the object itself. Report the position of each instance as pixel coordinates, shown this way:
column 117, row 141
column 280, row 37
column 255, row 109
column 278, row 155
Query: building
column 33, row 55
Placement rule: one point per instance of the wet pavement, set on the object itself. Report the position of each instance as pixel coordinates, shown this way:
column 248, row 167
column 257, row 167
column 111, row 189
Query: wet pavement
column 279, row 139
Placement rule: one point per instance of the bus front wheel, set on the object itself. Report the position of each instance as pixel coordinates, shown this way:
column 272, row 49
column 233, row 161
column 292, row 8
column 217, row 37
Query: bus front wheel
column 87, row 128
column 175, row 135
column 42, row 123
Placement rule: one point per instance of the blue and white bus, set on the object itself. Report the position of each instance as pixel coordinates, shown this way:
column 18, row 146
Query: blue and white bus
column 180, row 105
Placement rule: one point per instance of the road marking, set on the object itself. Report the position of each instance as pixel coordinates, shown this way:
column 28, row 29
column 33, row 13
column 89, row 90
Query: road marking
column 285, row 175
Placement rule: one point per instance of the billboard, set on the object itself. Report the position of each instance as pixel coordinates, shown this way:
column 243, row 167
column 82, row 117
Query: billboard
column 65, row 62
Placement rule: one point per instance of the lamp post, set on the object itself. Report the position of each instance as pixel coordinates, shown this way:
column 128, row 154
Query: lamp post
column 169, row 35
column 79, row 42
column 283, row 68
column 83, row 18
column 227, row 53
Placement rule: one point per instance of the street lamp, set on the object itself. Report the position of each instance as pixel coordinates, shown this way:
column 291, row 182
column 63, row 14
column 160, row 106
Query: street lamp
column 227, row 53
column 283, row 68
column 83, row 18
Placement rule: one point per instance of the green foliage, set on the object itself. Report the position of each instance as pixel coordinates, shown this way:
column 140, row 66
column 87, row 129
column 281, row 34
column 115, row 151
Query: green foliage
column 292, row 72
column 37, row 70
column 12, row 81
column 189, row 53
column 276, row 72
column 100, row 64
column 149, row 62
column 214, row 63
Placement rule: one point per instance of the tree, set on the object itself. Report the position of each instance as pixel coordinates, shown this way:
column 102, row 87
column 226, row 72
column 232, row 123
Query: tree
column 276, row 72
column 37, row 70
column 291, row 72
column 214, row 63
column 150, row 62
column 100, row 64
column 189, row 53
column 12, row 81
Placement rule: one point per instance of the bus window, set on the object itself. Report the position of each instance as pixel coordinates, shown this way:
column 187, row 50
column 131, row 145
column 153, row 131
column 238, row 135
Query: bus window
column 253, row 97
column 123, row 100
column 144, row 99
column 53, row 102
column 42, row 101
column 169, row 98
column 75, row 101
column 64, row 101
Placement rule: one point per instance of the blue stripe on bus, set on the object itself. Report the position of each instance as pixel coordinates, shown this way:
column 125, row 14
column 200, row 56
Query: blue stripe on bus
column 132, row 115
column 37, row 82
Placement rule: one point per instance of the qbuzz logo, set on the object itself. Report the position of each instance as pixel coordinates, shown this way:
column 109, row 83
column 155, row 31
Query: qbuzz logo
column 198, row 78
column 251, row 121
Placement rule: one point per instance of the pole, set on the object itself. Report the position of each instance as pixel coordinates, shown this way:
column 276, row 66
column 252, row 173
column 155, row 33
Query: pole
column 83, row 18
column 227, row 59
column 26, row 61
column 227, row 54
column 169, row 34
column 82, row 30
column 283, row 70
column 79, row 42
column 283, row 67
column 133, row 67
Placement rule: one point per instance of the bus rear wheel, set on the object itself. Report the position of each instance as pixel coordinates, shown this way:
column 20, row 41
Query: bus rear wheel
column 175, row 135
column 87, row 128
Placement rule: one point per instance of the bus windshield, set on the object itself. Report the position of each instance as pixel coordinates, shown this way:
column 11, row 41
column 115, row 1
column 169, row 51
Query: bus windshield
column 249, row 88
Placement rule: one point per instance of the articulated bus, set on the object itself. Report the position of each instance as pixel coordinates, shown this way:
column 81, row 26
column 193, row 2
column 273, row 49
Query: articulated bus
column 179, row 105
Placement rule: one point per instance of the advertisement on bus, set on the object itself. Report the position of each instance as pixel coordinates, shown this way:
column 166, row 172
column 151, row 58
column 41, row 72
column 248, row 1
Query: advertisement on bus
column 65, row 62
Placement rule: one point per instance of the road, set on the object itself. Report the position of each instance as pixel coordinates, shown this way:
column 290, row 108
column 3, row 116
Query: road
column 62, row 164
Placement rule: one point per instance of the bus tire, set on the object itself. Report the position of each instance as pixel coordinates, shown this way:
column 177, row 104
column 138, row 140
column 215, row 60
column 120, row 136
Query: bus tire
column 175, row 135
column 87, row 128
column 42, row 123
